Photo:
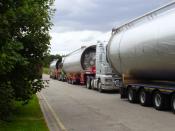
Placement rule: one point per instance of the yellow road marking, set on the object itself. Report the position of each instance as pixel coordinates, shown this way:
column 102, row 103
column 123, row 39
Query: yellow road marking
column 60, row 124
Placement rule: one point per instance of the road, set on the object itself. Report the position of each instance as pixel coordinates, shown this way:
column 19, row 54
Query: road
column 80, row 109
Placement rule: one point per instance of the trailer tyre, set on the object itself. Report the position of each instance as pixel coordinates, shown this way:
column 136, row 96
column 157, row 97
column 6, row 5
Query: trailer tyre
column 159, row 101
column 92, row 84
column 173, row 103
column 144, row 98
column 88, row 83
column 72, row 82
column 100, row 87
column 132, row 97
column 55, row 77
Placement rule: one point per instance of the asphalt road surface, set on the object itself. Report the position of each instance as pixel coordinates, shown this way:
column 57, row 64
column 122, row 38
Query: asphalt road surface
column 79, row 109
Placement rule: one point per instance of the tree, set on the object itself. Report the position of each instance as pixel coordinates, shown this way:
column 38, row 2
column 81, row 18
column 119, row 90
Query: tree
column 24, row 41
column 49, row 58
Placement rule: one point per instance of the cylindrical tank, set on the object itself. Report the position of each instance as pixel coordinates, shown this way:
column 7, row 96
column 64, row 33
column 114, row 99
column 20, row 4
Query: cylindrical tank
column 145, row 47
column 80, row 59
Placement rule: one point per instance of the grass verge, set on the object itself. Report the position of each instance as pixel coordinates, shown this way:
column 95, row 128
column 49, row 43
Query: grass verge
column 46, row 70
column 26, row 118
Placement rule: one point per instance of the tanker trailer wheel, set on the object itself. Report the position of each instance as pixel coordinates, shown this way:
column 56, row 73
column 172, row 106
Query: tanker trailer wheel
column 69, row 81
column 144, row 98
column 92, row 84
column 99, row 86
column 132, row 96
column 72, row 82
column 159, row 101
column 88, row 83
column 173, row 103
column 55, row 77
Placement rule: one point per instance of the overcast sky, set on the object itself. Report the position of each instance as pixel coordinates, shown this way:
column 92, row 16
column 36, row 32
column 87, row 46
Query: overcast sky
column 83, row 22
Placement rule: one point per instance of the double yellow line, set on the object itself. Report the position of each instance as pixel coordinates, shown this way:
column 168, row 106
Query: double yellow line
column 58, row 121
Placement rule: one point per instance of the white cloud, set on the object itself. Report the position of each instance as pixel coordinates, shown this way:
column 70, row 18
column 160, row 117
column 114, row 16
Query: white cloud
column 74, row 7
column 63, row 43
column 83, row 22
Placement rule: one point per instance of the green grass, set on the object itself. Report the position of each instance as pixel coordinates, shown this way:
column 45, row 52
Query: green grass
column 26, row 118
column 46, row 70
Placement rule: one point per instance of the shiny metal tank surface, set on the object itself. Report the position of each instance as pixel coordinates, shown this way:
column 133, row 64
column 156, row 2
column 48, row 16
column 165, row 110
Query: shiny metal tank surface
column 53, row 64
column 80, row 60
column 145, row 47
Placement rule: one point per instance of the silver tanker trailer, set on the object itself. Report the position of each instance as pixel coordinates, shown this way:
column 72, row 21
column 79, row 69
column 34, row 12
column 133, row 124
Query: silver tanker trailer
column 75, row 64
column 142, row 52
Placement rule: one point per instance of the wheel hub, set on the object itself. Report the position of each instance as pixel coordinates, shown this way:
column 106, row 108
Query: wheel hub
column 174, row 104
column 87, row 84
column 142, row 97
column 158, row 100
column 130, row 95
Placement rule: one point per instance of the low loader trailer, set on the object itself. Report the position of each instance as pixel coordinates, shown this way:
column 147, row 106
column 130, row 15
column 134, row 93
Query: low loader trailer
column 88, row 66
column 77, row 62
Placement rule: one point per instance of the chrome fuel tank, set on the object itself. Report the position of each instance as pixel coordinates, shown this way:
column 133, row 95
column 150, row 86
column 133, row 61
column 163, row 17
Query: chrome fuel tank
column 145, row 47
column 80, row 59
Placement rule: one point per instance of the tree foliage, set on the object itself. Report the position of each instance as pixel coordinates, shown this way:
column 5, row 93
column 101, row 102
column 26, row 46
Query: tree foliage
column 24, row 41
column 49, row 58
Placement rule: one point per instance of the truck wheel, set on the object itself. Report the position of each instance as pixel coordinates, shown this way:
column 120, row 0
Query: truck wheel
column 88, row 83
column 131, row 95
column 99, row 87
column 144, row 98
column 72, row 82
column 159, row 101
column 92, row 84
column 55, row 77
column 173, row 103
